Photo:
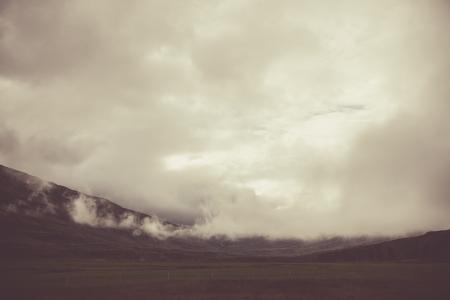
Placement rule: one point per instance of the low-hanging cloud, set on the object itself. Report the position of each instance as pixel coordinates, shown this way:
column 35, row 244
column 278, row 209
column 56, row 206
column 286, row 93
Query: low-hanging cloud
column 280, row 118
column 84, row 210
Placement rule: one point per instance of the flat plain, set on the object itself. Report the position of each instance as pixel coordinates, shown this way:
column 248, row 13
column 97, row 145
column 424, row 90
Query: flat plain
column 99, row 279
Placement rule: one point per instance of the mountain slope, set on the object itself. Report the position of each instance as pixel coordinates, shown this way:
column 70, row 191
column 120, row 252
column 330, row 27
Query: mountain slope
column 432, row 247
column 38, row 218
column 43, row 219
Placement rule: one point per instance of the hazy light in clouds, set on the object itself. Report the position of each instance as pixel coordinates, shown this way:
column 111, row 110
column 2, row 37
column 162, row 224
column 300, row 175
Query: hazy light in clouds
column 247, row 117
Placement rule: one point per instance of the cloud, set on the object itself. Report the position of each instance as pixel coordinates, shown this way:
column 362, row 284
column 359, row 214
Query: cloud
column 287, row 118
column 86, row 210
column 8, row 140
column 399, row 170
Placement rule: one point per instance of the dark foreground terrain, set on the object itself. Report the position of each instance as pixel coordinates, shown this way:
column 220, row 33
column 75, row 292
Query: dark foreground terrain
column 89, row 279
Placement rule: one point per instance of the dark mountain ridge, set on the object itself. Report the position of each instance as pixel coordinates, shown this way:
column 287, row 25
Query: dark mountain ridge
column 44, row 219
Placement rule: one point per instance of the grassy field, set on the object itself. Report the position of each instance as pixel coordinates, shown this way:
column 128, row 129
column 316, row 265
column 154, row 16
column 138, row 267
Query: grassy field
column 45, row 279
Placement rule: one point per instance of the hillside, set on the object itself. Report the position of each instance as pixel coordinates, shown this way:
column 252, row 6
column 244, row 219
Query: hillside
column 431, row 247
column 44, row 219
column 41, row 219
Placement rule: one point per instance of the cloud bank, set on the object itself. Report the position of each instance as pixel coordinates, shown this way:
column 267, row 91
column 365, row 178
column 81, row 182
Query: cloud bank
column 281, row 118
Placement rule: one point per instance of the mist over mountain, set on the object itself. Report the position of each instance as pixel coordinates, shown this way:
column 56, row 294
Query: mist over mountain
column 42, row 219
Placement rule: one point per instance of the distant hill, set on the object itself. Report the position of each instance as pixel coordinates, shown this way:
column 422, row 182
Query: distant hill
column 433, row 246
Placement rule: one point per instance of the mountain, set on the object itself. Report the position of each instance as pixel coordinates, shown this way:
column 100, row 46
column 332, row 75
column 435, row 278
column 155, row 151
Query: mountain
column 39, row 218
column 43, row 219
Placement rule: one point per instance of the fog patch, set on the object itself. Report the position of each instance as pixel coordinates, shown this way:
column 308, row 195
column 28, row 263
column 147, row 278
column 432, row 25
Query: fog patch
column 40, row 189
column 87, row 210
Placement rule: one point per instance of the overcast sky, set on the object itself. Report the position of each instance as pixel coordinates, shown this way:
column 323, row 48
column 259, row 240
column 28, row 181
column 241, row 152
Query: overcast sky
column 283, row 118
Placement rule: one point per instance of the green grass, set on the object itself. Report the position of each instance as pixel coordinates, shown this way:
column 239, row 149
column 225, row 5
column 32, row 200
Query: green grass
column 53, row 279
